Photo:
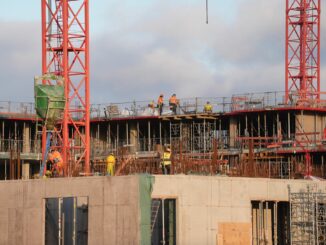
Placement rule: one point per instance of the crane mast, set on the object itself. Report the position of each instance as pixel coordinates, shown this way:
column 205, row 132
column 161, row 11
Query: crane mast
column 65, row 53
column 302, row 61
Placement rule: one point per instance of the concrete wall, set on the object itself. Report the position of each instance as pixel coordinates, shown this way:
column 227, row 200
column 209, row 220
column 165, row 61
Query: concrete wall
column 310, row 123
column 113, row 208
column 206, row 205
column 209, row 209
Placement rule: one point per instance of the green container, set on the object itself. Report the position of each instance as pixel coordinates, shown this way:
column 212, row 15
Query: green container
column 49, row 103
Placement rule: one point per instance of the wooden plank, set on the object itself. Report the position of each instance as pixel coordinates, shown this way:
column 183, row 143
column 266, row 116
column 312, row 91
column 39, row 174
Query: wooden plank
column 234, row 233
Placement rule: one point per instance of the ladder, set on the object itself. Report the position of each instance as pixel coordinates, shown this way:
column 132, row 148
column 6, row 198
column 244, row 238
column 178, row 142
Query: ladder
column 156, row 203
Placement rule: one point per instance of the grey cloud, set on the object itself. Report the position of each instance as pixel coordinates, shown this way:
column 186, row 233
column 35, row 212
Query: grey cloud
column 182, row 54
column 20, row 59
column 169, row 49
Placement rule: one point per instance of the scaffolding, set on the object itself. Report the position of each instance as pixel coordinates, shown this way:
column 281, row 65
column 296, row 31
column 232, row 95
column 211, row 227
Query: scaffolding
column 308, row 217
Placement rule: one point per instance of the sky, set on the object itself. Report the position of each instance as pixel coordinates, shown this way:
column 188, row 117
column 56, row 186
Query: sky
column 139, row 49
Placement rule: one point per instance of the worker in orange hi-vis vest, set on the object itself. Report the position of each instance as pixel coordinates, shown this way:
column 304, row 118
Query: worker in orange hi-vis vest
column 57, row 163
column 173, row 102
column 160, row 104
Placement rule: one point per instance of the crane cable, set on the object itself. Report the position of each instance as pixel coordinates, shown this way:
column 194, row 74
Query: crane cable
column 206, row 11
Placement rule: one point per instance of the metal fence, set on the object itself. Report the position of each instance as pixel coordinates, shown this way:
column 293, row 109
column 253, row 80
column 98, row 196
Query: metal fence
column 21, row 146
column 237, row 102
column 17, row 107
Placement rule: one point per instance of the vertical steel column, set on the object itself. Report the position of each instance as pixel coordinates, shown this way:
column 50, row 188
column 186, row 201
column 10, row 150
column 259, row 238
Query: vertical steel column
column 127, row 133
column 289, row 125
column 3, row 135
column 5, row 169
column 258, row 122
column 163, row 223
column 118, row 135
column 160, row 132
column 170, row 135
column 138, row 136
column 74, row 232
column 275, row 222
column 204, row 137
column 59, row 221
column 265, row 125
column 220, row 132
column 110, row 135
column 247, row 132
column 149, row 136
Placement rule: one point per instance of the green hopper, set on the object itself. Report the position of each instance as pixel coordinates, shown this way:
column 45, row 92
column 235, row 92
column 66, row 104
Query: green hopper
column 49, row 99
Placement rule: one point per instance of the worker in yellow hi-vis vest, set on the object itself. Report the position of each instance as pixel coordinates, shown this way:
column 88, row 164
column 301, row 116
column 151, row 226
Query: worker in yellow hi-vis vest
column 166, row 161
column 110, row 164
column 208, row 108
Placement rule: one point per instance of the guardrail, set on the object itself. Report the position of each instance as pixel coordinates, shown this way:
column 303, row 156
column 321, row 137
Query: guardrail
column 21, row 146
column 17, row 107
column 237, row 102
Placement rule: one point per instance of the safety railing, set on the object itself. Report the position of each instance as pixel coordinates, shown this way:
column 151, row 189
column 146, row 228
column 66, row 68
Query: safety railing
column 17, row 107
column 21, row 146
column 237, row 102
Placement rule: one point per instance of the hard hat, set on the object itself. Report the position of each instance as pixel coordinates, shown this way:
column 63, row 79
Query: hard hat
column 207, row 102
column 173, row 94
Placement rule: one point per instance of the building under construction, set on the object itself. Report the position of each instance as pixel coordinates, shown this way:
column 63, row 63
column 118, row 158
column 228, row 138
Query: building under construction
column 248, row 172
column 250, row 135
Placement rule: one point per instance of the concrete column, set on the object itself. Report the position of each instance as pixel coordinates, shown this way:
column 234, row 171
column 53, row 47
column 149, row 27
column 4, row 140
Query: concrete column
column 26, row 171
column 149, row 136
column 133, row 137
column 233, row 131
column 27, row 138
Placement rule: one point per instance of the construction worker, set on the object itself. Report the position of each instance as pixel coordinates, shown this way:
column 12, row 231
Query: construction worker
column 160, row 104
column 151, row 104
column 110, row 164
column 48, row 174
column 173, row 102
column 166, row 161
column 208, row 108
column 56, row 161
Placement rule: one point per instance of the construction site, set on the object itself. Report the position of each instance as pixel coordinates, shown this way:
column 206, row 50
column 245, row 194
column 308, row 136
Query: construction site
column 250, row 170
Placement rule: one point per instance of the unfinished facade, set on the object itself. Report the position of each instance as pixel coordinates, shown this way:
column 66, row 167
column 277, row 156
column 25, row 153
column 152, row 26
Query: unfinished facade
column 254, row 135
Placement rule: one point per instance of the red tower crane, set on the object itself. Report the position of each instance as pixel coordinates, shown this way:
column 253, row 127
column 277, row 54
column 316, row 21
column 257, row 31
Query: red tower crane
column 302, row 61
column 65, row 53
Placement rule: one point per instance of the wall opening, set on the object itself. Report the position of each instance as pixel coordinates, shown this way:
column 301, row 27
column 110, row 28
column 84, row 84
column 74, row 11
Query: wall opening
column 270, row 222
column 163, row 221
column 66, row 221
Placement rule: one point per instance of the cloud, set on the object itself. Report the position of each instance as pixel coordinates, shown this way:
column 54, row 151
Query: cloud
column 20, row 59
column 165, row 47
column 175, row 51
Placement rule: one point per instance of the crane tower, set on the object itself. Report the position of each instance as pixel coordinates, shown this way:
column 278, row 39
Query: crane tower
column 65, row 53
column 302, row 66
